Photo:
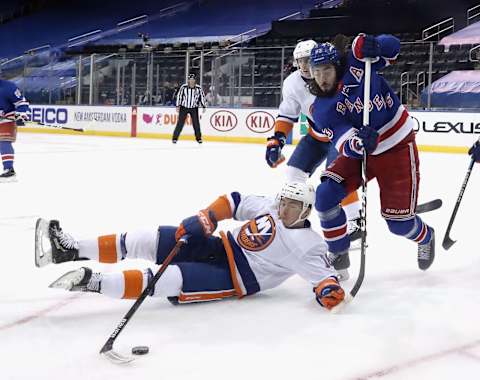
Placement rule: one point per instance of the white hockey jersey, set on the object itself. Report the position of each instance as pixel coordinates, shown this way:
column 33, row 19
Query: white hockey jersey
column 296, row 100
column 263, row 252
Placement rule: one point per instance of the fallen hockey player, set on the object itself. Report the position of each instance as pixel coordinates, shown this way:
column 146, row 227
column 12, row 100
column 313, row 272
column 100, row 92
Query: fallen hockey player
column 274, row 244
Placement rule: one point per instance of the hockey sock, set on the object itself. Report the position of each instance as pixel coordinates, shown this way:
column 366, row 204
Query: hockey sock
column 413, row 229
column 332, row 217
column 110, row 249
column 334, row 227
column 351, row 206
column 104, row 249
column 131, row 283
column 7, row 153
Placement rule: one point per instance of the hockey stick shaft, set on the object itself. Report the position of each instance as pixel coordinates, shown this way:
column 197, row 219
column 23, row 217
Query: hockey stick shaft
column 49, row 125
column 109, row 343
column 447, row 240
column 363, row 220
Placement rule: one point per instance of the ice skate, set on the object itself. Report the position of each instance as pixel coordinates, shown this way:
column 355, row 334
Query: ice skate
column 52, row 245
column 353, row 229
column 8, row 175
column 341, row 263
column 426, row 252
column 79, row 280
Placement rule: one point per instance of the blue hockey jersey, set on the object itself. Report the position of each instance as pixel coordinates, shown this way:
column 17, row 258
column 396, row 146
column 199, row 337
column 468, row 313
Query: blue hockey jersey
column 12, row 103
column 341, row 115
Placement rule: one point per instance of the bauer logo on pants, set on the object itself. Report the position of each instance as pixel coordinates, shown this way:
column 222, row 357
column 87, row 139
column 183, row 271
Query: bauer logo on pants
column 257, row 234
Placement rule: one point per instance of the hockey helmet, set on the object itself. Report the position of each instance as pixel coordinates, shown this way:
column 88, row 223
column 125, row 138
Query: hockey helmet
column 324, row 54
column 299, row 191
column 303, row 50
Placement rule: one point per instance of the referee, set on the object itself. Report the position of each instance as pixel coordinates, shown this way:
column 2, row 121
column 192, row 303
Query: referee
column 190, row 96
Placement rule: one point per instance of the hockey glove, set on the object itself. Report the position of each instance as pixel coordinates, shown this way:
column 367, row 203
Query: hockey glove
column 20, row 119
column 369, row 138
column 329, row 293
column 366, row 46
column 366, row 138
column 474, row 151
column 273, row 154
column 198, row 226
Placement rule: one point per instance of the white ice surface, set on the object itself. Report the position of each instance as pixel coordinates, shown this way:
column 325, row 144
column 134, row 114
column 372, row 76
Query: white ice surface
column 404, row 323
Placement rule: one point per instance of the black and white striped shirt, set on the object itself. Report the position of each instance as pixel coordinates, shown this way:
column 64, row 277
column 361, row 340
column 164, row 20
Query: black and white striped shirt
column 190, row 97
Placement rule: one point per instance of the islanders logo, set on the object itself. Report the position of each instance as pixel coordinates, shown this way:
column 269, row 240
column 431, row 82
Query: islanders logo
column 257, row 234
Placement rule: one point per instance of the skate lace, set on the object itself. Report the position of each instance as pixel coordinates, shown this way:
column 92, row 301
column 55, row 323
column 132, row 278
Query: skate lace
column 424, row 252
column 352, row 226
column 95, row 282
column 66, row 240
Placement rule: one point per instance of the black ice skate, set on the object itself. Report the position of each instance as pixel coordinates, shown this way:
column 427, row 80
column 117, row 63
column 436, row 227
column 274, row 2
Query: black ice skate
column 341, row 263
column 52, row 245
column 8, row 175
column 426, row 252
column 80, row 280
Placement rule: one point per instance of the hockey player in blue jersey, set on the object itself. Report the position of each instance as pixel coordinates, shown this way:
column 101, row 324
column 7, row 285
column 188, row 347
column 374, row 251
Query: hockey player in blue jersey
column 389, row 141
column 13, row 112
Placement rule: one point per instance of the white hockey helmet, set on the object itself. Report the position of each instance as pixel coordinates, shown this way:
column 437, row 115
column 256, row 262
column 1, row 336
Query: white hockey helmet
column 302, row 192
column 302, row 50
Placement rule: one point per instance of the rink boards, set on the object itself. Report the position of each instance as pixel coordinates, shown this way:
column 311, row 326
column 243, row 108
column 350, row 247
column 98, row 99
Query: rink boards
column 450, row 132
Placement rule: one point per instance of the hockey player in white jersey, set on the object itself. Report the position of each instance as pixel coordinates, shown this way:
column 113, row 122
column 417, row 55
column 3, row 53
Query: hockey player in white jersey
column 275, row 242
column 314, row 148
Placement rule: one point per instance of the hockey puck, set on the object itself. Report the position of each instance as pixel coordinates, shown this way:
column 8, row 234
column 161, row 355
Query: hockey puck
column 140, row 350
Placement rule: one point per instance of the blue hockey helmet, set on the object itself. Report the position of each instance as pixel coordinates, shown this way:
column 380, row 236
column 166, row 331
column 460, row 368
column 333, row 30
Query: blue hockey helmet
column 324, row 54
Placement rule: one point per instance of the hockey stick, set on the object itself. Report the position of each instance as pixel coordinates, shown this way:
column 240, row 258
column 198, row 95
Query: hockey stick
column 363, row 212
column 432, row 205
column 48, row 125
column 447, row 240
column 107, row 349
column 429, row 206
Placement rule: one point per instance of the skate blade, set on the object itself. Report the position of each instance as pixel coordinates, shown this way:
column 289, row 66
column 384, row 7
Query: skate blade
column 117, row 358
column 343, row 275
column 43, row 249
column 68, row 280
column 9, row 179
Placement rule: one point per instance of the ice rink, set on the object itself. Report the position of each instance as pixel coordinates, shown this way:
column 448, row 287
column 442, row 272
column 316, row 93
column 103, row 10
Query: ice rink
column 404, row 323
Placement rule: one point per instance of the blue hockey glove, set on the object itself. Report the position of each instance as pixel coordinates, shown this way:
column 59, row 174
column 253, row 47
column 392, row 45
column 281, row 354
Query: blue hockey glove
column 369, row 138
column 474, row 151
column 366, row 138
column 198, row 226
column 20, row 119
column 366, row 46
column 273, row 155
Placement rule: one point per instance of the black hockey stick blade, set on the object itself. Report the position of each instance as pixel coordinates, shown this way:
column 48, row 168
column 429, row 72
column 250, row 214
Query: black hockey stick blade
column 107, row 349
column 429, row 206
column 447, row 242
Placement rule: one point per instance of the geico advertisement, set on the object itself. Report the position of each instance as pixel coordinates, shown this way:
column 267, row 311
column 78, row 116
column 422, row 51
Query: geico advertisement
column 214, row 122
column 93, row 118
column 446, row 128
